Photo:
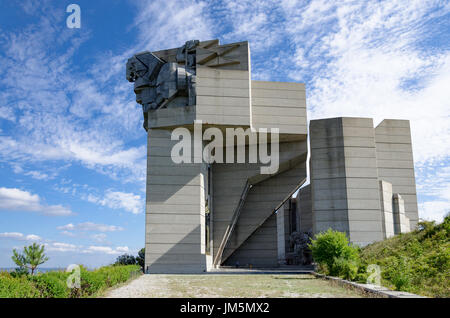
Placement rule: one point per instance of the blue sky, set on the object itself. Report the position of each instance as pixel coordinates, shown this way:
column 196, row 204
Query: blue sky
column 72, row 146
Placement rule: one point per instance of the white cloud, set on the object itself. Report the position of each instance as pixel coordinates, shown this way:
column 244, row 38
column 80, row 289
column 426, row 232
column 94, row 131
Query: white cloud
column 368, row 60
column 164, row 24
column 63, row 115
column 100, row 237
column 434, row 210
column 54, row 246
column 7, row 113
column 107, row 249
column 32, row 237
column 37, row 175
column 363, row 59
column 14, row 235
column 255, row 21
column 120, row 200
column 67, row 233
column 358, row 59
column 12, row 199
column 122, row 249
column 61, row 247
column 20, row 236
column 89, row 226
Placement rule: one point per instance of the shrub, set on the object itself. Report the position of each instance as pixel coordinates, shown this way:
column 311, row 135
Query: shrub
column 345, row 268
column 20, row 271
column 91, row 282
column 16, row 287
column 332, row 251
column 417, row 262
column 95, row 281
column 140, row 259
column 54, row 284
column 125, row 259
column 51, row 285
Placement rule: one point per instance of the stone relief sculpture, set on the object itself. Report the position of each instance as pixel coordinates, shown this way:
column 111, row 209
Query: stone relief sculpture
column 157, row 82
column 301, row 254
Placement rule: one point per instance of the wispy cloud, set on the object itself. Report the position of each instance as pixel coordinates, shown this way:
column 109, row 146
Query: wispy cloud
column 61, row 247
column 12, row 199
column 165, row 24
column 20, row 236
column 366, row 59
column 62, row 115
column 90, row 227
column 130, row 202
column 54, row 246
column 107, row 249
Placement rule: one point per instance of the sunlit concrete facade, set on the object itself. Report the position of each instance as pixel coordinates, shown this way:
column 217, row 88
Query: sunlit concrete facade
column 362, row 178
column 200, row 215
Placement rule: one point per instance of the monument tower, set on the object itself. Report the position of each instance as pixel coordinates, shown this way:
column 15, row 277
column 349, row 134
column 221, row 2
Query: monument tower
column 207, row 211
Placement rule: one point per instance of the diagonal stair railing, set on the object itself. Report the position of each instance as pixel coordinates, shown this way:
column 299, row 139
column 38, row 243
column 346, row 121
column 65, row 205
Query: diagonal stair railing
column 289, row 164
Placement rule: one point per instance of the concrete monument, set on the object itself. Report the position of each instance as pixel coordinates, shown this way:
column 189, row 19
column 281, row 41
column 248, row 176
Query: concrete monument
column 218, row 203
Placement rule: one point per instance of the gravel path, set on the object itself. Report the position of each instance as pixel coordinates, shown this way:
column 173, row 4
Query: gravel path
column 143, row 286
column 199, row 286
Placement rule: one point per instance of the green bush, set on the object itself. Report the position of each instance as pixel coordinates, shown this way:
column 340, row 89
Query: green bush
column 336, row 257
column 345, row 268
column 20, row 271
column 94, row 281
column 91, row 282
column 125, row 259
column 54, row 284
column 51, row 285
column 16, row 287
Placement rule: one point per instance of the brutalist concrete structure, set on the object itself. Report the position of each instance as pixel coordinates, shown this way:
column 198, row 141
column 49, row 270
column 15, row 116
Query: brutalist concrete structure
column 202, row 214
column 362, row 178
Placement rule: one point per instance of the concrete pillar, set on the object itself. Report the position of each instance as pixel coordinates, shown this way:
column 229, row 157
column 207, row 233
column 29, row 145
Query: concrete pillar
column 304, row 209
column 175, row 210
column 281, row 235
column 401, row 221
column 386, row 208
column 344, row 179
column 396, row 164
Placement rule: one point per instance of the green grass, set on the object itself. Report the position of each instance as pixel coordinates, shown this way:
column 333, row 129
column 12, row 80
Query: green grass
column 416, row 262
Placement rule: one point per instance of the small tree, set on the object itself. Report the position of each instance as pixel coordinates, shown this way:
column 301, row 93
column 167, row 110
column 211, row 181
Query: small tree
column 32, row 257
column 140, row 259
column 332, row 249
column 125, row 259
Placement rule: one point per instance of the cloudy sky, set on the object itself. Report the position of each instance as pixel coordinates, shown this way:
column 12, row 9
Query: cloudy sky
column 72, row 146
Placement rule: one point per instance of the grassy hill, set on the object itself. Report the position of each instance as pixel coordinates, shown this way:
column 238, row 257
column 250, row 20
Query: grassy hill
column 416, row 262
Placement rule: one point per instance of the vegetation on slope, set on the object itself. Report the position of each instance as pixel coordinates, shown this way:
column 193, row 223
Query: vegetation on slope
column 416, row 262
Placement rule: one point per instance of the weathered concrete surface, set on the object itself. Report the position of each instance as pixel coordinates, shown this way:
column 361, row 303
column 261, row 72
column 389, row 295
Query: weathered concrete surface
column 396, row 164
column 200, row 213
column 174, row 211
column 370, row 289
column 348, row 159
column 179, row 236
column 386, row 197
column 303, row 200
